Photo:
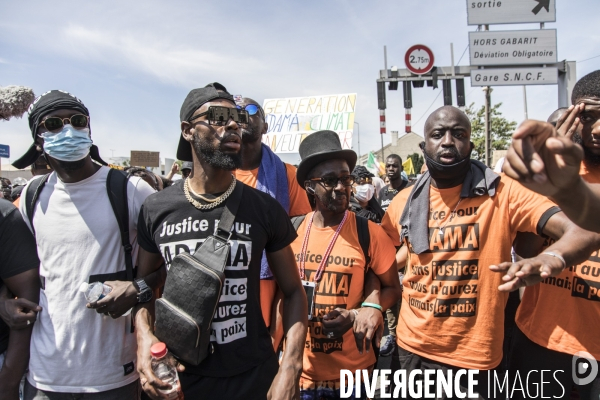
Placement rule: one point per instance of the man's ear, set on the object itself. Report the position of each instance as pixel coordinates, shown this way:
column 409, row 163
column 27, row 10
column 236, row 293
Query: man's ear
column 422, row 146
column 472, row 145
column 265, row 128
column 185, row 131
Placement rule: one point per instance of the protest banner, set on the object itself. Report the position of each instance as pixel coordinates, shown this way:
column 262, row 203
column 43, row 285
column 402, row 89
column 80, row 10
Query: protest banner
column 292, row 119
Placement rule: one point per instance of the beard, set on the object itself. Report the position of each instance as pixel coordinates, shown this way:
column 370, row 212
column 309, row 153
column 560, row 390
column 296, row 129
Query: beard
column 251, row 134
column 588, row 156
column 452, row 150
column 213, row 154
column 70, row 166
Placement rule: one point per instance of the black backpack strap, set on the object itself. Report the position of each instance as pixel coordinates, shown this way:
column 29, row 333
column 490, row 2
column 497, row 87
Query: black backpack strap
column 297, row 221
column 231, row 207
column 364, row 238
column 116, row 186
column 32, row 195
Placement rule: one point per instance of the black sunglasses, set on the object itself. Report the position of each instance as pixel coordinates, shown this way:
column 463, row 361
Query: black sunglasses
column 77, row 121
column 251, row 108
column 332, row 181
column 220, row 116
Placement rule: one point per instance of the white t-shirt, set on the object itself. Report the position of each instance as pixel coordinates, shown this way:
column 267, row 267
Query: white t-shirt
column 73, row 348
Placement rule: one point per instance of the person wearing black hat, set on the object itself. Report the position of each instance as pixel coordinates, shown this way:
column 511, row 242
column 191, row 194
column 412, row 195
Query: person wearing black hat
column 78, row 240
column 330, row 256
column 362, row 200
column 186, row 168
column 243, row 364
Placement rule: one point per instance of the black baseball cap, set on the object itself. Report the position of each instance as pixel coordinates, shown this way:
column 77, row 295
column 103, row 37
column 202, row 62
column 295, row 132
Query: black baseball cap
column 194, row 100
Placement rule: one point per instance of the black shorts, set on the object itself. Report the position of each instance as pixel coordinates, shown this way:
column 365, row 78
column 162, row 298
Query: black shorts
column 253, row 384
column 406, row 360
column 529, row 358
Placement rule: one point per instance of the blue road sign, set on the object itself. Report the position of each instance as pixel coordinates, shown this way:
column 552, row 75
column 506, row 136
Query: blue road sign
column 4, row 151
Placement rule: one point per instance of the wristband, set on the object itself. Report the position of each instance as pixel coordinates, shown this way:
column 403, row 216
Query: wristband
column 372, row 305
column 549, row 253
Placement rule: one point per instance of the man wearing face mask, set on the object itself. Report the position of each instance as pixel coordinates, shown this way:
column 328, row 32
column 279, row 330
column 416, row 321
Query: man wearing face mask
column 75, row 350
column 362, row 201
column 459, row 223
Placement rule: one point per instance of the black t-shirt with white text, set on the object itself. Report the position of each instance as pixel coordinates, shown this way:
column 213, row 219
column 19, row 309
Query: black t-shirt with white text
column 18, row 253
column 169, row 224
column 387, row 194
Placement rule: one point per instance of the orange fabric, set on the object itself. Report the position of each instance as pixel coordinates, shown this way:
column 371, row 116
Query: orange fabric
column 299, row 205
column 268, row 289
column 560, row 312
column 452, row 311
column 17, row 202
column 341, row 286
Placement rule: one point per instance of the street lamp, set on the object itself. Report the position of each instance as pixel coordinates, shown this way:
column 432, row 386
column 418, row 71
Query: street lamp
column 358, row 132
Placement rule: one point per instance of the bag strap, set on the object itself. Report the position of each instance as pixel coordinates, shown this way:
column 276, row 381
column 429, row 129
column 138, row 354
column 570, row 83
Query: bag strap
column 364, row 238
column 297, row 221
column 32, row 195
column 231, row 208
column 116, row 187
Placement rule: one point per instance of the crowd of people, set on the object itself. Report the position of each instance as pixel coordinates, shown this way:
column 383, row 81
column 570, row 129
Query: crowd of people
column 321, row 255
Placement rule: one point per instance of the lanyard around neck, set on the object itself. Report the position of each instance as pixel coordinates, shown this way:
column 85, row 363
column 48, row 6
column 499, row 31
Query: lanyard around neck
column 321, row 268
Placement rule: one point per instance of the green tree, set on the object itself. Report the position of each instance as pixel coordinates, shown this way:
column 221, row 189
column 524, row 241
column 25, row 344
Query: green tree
column 502, row 130
column 418, row 161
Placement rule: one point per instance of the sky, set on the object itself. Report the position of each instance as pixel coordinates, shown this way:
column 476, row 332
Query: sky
column 132, row 63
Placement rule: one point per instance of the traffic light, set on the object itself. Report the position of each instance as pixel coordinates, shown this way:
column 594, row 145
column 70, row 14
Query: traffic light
column 381, row 95
column 447, row 89
column 460, row 92
column 407, row 94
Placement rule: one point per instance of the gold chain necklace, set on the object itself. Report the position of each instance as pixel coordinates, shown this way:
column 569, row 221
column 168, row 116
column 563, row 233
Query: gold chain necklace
column 213, row 202
column 451, row 217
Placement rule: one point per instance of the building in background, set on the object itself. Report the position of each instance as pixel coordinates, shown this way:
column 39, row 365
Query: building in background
column 403, row 146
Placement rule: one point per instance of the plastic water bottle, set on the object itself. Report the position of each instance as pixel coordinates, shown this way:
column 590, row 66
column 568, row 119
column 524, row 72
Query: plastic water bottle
column 96, row 291
column 165, row 371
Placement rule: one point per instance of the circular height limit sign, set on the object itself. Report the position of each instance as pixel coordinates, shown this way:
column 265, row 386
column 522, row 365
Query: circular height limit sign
column 419, row 59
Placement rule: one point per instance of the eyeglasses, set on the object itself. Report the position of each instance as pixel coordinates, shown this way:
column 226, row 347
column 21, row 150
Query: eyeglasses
column 251, row 108
column 220, row 116
column 362, row 181
column 77, row 121
column 332, row 181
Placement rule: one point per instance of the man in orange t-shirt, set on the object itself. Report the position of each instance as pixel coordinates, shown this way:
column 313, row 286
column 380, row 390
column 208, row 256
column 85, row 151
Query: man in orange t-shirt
column 555, row 318
column 263, row 170
column 329, row 254
column 459, row 223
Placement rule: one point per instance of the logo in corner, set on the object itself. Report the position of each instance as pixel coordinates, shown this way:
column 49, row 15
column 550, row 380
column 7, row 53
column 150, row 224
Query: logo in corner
column 584, row 368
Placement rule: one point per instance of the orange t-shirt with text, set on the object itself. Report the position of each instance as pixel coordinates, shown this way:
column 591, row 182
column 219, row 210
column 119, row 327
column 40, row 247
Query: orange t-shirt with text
column 561, row 312
column 452, row 311
column 299, row 205
column 341, row 286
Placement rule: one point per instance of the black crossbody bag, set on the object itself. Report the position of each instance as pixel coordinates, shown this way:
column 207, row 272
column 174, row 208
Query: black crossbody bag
column 185, row 311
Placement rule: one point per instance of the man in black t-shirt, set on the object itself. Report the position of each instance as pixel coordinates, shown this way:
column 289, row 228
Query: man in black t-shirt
column 19, row 273
column 393, row 170
column 243, row 364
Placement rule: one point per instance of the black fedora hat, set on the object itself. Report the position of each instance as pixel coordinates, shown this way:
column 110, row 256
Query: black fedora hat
column 318, row 147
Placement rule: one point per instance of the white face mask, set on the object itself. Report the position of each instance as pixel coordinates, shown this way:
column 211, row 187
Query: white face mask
column 364, row 192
